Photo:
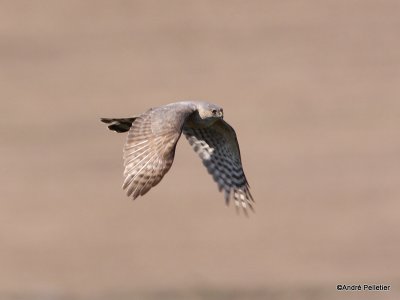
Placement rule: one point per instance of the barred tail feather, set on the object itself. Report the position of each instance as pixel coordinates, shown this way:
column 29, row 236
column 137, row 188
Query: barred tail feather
column 119, row 125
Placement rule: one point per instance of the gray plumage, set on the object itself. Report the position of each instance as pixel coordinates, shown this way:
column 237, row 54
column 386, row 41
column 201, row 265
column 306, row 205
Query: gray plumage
column 150, row 147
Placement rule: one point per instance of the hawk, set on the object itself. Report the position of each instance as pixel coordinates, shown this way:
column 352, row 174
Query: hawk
column 152, row 137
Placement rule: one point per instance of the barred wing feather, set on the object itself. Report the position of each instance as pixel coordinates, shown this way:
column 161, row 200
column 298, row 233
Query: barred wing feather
column 218, row 148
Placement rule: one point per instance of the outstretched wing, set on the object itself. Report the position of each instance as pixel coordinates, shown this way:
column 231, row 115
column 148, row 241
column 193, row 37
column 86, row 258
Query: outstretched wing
column 218, row 148
column 150, row 148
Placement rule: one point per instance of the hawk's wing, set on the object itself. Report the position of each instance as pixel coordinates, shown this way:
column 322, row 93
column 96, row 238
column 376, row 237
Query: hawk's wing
column 218, row 148
column 150, row 148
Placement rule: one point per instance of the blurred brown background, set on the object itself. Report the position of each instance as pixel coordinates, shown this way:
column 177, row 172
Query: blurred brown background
column 312, row 88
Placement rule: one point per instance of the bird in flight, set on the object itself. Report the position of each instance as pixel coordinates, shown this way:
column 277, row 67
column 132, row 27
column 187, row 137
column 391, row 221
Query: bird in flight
column 152, row 137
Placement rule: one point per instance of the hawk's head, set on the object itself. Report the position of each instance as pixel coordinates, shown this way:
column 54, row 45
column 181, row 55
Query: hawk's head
column 209, row 111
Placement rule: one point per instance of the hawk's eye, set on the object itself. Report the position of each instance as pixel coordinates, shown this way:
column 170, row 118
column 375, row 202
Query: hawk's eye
column 214, row 111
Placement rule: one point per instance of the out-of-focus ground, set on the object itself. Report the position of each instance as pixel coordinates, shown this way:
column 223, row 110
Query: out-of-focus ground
column 313, row 91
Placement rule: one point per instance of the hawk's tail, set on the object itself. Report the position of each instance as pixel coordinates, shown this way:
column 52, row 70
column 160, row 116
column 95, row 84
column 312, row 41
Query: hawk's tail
column 119, row 125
